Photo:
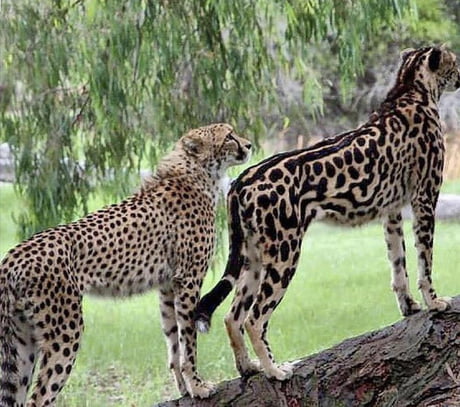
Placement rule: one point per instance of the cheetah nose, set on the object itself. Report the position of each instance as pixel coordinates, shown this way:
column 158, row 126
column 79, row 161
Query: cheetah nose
column 248, row 146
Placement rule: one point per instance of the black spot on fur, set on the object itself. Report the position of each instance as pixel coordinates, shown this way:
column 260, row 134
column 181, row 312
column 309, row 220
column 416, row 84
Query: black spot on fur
column 275, row 175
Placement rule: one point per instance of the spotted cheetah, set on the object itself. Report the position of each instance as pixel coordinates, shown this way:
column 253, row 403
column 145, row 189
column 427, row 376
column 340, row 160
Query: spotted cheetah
column 163, row 236
column 395, row 158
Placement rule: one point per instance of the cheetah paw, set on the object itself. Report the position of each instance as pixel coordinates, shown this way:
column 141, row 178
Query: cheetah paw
column 181, row 387
column 280, row 372
column 202, row 389
column 408, row 306
column 440, row 304
column 249, row 368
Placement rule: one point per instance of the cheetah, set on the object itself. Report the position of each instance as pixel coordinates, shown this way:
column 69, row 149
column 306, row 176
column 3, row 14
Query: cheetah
column 395, row 158
column 160, row 237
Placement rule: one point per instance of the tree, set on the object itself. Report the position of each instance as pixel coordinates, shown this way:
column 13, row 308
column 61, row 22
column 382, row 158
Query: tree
column 437, row 23
column 411, row 363
column 99, row 88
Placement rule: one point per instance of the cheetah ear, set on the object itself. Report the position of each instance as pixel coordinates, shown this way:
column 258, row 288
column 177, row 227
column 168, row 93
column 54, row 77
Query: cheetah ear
column 434, row 60
column 447, row 54
column 192, row 144
column 405, row 53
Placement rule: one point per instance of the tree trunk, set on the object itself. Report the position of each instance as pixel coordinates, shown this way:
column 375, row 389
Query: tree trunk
column 414, row 362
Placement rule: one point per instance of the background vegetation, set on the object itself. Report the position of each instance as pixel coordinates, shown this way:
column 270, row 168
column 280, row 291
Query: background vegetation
column 93, row 90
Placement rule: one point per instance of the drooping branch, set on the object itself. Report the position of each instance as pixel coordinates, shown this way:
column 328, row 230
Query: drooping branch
column 225, row 57
column 414, row 362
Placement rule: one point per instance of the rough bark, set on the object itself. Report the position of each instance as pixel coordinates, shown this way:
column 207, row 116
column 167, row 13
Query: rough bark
column 415, row 362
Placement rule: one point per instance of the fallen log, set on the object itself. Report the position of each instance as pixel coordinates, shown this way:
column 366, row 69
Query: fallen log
column 413, row 363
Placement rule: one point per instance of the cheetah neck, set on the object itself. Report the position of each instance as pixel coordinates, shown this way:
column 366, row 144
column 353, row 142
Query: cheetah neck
column 428, row 88
column 423, row 88
column 200, row 175
column 419, row 92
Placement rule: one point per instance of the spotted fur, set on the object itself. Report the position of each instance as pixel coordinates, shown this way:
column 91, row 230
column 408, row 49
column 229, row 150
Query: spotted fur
column 162, row 236
column 395, row 158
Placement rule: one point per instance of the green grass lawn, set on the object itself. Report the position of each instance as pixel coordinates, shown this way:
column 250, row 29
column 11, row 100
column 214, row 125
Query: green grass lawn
column 341, row 289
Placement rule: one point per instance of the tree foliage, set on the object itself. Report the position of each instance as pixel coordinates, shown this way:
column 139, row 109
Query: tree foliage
column 91, row 90
column 432, row 22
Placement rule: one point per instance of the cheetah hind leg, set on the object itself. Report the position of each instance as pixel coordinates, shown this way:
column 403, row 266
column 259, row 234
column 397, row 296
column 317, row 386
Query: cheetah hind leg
column 256, row 324
column 57, row 349
column 235, row 320
column 27, row 351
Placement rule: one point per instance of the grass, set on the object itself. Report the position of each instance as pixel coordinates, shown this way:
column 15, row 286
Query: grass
column 341, row 289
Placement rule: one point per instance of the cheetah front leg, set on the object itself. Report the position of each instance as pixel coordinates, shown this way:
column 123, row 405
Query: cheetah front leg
column 423, row 227
column 394, row 238
column 186, row 295
column 170, row 330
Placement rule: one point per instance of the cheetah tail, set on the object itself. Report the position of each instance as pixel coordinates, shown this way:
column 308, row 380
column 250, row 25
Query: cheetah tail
column 209, row 303
column 8, row 352
column 217, row 295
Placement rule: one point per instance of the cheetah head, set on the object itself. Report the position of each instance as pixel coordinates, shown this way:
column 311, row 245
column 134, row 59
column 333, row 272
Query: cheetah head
column 216, row 145
column 444, row 64
column 427, row 63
